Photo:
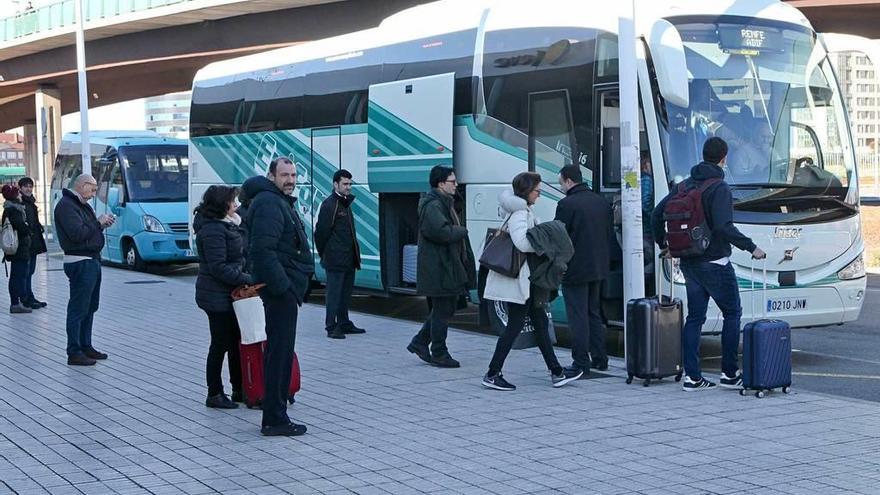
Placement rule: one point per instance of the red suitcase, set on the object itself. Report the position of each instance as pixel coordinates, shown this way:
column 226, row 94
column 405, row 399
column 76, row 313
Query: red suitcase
column 252, row 374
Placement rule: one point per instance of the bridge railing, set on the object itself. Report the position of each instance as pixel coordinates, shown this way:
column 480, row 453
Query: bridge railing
column 61, row 14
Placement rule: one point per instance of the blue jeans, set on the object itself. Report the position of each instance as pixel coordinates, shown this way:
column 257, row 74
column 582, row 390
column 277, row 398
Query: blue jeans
column 29, row 291
column 18, row 281
column 705, row 280
column 85, row 292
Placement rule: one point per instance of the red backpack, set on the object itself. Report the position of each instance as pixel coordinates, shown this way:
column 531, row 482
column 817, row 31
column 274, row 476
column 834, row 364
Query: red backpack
column 687, row 231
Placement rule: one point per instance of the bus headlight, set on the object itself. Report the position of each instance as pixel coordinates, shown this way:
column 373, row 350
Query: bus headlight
column 152, row 224
column 854, row 270
column 673, row 265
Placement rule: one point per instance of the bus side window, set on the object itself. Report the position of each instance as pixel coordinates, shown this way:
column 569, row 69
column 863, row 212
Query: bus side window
column 550, row 132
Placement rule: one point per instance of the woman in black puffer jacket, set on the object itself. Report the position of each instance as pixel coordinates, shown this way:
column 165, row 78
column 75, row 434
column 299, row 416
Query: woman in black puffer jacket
column 221, row 269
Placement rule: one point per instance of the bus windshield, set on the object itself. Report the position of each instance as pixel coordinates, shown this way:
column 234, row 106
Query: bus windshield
column 768, row 90
column 155, row 173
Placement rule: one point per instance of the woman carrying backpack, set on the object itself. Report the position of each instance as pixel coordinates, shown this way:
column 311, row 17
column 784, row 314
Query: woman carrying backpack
column 14, row 213
column 517, row 292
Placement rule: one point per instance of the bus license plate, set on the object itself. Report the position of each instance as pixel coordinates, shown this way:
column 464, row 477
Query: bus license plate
column 777, row 305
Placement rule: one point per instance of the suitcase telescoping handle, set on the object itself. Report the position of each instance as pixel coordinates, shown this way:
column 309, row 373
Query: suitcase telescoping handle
column 671, row 273
column 763, row 293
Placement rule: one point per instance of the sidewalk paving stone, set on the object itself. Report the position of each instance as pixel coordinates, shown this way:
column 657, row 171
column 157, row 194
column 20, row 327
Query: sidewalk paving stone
column 382, row 422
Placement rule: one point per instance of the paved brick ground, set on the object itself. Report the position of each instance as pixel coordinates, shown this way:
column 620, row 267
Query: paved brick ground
column 381, row 422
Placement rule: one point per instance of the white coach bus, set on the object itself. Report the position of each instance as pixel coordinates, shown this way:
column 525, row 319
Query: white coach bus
column 494, row 88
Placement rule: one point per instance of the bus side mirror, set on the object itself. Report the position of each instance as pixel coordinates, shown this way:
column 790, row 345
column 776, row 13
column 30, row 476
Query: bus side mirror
column 670, row 64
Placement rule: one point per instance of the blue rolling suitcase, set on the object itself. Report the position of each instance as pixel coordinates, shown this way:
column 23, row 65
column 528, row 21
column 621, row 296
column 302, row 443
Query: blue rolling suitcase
column 766, row 351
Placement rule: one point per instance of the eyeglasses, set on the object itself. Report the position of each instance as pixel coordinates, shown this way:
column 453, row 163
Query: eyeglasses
column 451, row 181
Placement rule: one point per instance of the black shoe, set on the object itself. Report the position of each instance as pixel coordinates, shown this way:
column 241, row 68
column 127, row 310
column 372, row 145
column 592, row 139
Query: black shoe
column 95, row 354
column 735, row 383
column 354, row 330
column 444, row 361
column 420, row 350
column 19, row 309
column 335, row 334
column 237, row 396
column 288, row 430
column 497, row 382
column 566, row 376
column 600, row 364
column 689, row 385
column 220, row 401
column 34, row 304
column 80, row 360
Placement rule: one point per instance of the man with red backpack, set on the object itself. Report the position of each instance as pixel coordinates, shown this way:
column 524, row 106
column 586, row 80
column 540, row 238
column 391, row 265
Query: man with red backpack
column 695, row 223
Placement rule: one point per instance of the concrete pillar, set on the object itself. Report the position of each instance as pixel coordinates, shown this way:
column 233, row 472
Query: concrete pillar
column 48, row 139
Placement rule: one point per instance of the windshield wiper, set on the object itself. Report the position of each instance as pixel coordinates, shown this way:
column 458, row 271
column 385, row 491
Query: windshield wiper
column 767, row 185
column 820, row 197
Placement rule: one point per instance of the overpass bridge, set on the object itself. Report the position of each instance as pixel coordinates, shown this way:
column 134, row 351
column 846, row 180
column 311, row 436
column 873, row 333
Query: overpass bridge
column 139, row 48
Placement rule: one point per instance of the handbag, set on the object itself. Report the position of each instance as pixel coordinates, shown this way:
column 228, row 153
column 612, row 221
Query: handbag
column 500, row 253
column 250, row 314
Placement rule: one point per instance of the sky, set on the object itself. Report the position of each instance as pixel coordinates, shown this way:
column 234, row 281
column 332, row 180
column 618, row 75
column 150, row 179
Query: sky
column 127, row 116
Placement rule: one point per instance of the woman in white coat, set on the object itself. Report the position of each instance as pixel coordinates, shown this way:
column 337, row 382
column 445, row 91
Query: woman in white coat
column 516, row 292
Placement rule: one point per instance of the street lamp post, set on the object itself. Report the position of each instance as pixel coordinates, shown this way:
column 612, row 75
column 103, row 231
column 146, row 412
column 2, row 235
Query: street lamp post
column 631, row 196
column 83, row 88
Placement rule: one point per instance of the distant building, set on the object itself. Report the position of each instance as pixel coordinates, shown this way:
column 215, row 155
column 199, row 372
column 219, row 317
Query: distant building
column 11, row 150
column 860, row 90
column 168, row 115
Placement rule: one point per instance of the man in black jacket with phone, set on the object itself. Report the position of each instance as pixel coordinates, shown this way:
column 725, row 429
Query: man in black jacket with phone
column 282, row 259
column 81, row 236
column 337, row 245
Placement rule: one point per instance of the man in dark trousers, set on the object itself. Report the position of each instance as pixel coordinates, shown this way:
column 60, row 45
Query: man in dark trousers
column 282, row 259
column 81, row 236
column 446, row 266
column 336, row 241
column 710, row 275
column 587, row 217
column 38, row 242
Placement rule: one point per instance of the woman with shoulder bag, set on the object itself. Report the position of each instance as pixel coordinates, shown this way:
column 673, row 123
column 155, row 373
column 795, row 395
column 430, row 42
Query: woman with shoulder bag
column 517, row 292
column 221, row 270
column 19, row 270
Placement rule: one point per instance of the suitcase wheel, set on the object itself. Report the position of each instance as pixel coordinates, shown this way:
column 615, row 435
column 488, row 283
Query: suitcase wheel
column 291, row 400
column 678, row 377
column 629, row 379
column 647, row 383
column 742, row 392
column 760, row 394
column 786, row 390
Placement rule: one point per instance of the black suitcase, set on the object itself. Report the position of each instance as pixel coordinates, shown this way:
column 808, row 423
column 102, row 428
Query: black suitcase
column 653, row 338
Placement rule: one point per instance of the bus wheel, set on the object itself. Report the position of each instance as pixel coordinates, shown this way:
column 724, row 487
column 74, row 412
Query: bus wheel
column 133, row 258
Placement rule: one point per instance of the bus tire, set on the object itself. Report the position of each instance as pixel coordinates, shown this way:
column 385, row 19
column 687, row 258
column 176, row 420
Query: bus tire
column 131, row 256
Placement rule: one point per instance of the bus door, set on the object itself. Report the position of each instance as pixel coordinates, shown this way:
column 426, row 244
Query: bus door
column 409, row 131
column 111, row 200
column 607, row 104
column 326, row 159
